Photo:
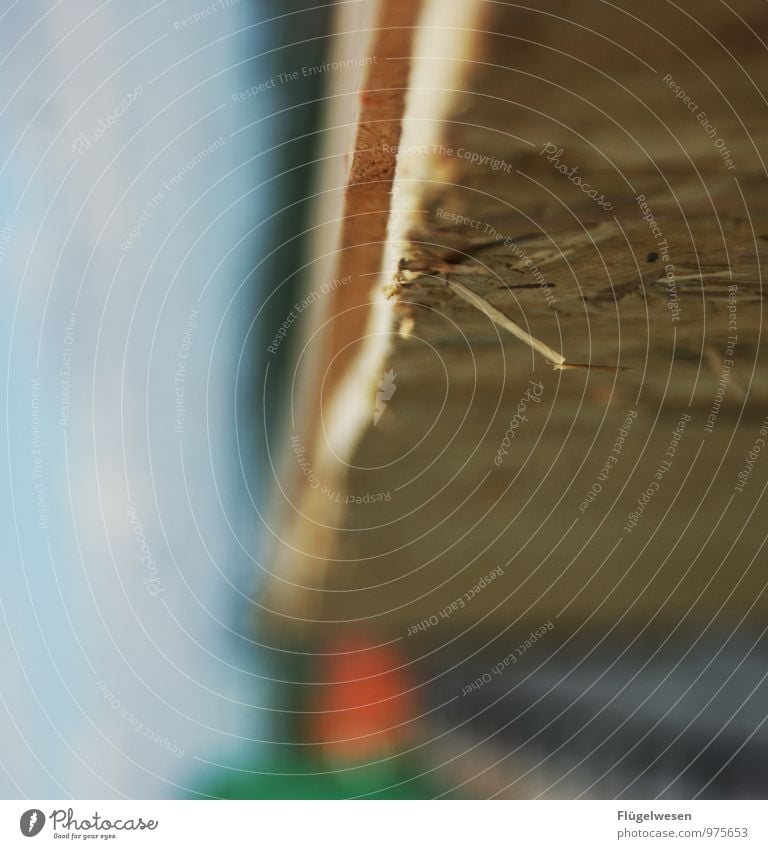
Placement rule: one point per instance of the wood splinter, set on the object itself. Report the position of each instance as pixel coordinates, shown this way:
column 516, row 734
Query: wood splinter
column 555, row 358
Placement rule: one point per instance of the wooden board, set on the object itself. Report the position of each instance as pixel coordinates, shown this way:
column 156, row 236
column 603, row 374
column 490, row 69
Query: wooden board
column 654, row 271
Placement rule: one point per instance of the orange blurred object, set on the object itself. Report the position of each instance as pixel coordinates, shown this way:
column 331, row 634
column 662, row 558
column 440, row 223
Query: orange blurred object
column 366, row 702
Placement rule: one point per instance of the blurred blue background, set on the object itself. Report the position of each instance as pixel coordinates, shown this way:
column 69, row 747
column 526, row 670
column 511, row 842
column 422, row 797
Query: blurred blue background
column 141, row 198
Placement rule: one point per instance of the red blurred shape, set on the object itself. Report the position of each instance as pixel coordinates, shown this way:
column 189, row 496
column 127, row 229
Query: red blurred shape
column 366, row 703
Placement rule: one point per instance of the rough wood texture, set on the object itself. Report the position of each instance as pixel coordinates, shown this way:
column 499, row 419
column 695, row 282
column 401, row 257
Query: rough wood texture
column 343, row 311
column 638, row 275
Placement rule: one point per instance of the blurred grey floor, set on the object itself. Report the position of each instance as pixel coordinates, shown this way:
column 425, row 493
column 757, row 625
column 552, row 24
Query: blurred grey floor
column 678, row 718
